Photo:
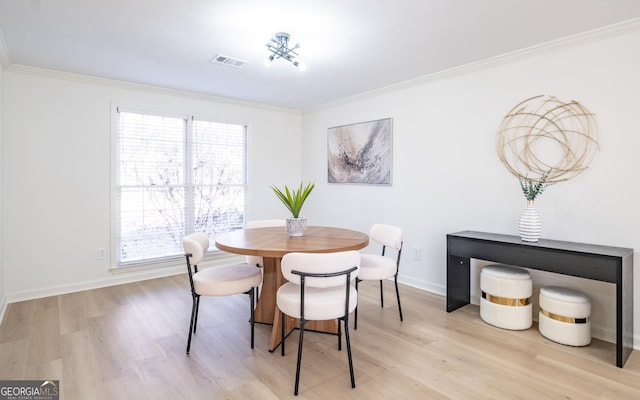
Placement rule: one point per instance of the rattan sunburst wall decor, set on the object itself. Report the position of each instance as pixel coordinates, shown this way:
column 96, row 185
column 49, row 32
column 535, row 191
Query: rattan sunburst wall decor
column 542, row 141
column 543, row 136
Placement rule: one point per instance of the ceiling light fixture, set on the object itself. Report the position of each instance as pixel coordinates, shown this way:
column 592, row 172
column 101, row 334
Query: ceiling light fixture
column 279, row 46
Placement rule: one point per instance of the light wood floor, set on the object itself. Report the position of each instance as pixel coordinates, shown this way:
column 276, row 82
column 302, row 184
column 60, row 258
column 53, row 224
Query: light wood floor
column 128, row 342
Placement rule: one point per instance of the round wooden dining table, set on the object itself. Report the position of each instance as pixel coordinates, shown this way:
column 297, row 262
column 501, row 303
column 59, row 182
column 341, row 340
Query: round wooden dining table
column 272, row 243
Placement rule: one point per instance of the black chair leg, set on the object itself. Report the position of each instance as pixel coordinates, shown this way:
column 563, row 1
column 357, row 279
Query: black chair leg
column 251, row 297
column 192, row 327
column 381, row 295
column 282, row 323
column 398, row 296
column 195, row 322
column 355, row 322
column 346, row 335
column 302, row 322
column 339, row 335
column 258, row 287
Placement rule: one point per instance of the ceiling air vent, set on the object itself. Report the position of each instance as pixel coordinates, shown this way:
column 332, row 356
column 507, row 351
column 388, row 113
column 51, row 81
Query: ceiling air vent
column 228, row 61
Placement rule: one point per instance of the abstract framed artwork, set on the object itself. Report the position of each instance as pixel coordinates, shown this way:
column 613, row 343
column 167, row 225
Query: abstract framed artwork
column 360, row 153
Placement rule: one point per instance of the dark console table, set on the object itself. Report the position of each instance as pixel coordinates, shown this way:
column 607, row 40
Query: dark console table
column 601, row 263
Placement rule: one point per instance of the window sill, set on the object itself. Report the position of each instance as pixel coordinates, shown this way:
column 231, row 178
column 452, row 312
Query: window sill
column 212, row 259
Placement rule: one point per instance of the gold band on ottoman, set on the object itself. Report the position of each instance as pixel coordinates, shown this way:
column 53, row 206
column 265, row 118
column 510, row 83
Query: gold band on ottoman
column 505, row 301
column 562, row 318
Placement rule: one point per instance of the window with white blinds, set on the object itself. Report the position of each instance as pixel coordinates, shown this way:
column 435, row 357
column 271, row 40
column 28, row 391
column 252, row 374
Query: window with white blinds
column 175, row 176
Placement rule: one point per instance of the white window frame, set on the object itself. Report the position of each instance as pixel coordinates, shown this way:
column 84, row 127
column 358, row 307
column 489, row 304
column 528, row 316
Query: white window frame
column 176, row 259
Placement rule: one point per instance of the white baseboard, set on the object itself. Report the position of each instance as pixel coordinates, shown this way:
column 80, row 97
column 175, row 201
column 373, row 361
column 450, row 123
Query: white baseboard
column 3, row 308
column 116, row 279
column 118, row 276
column 423, row 285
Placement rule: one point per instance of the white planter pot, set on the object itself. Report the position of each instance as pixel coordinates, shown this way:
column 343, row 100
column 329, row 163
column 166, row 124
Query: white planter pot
column 296, row 226
column 530, row 226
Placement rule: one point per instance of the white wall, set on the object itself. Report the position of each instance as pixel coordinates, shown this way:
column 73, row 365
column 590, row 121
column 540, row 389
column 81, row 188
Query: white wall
column 447, row 176
column 57, row 185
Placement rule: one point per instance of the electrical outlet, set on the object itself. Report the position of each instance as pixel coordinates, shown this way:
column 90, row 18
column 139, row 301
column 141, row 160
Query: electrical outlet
column 102, row 254
column 417, row 253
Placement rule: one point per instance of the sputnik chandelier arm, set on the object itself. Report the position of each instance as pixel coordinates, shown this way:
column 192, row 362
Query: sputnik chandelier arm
column 278, row 45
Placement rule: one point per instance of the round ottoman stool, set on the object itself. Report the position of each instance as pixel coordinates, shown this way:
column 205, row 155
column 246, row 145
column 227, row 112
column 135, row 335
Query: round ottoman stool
column 565, row 316
column 506, row 295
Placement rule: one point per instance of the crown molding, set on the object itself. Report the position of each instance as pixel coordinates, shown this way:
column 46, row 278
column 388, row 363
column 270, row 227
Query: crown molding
column 606, row 32
column 93, row 80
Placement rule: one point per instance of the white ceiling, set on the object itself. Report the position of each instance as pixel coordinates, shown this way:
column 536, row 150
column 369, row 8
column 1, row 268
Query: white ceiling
column 349, row 46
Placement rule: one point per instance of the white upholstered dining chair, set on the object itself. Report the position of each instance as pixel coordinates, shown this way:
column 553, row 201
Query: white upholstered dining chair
column 319, row 289
column 216, row 281
column 375, row 267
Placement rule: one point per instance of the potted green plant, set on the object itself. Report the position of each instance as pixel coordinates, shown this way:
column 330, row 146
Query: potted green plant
column 294, row 199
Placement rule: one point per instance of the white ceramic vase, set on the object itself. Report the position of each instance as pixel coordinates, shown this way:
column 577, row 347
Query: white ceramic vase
column 296, row 226
column 530, row 226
